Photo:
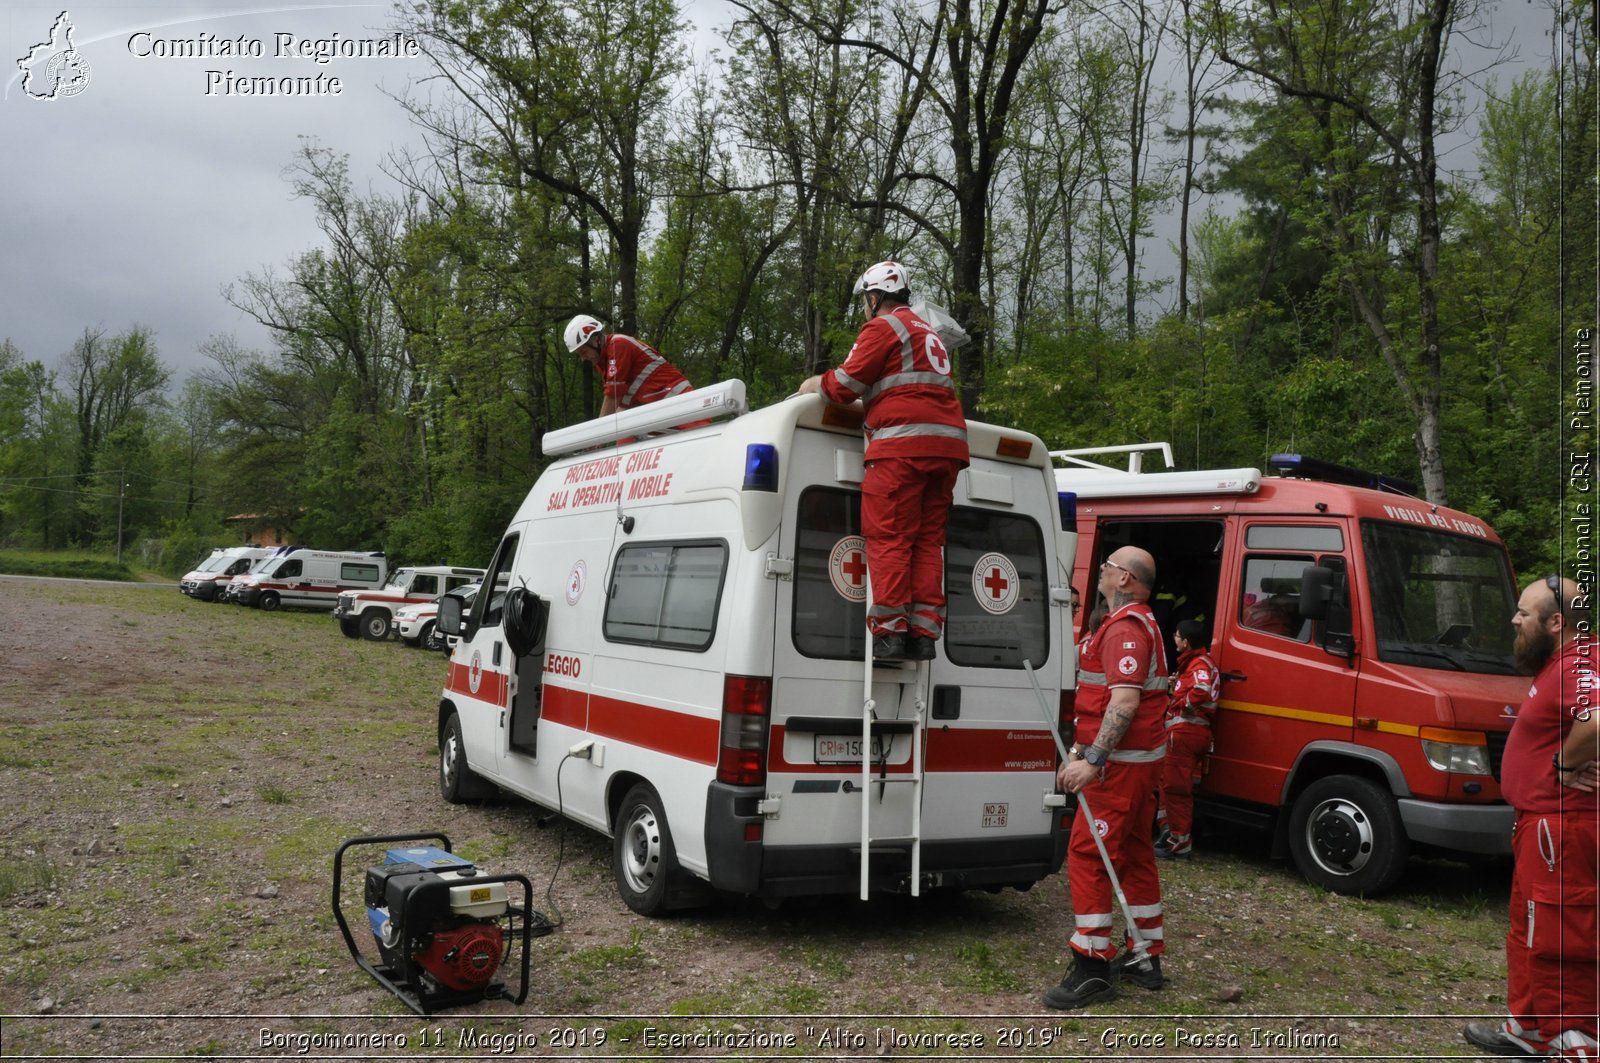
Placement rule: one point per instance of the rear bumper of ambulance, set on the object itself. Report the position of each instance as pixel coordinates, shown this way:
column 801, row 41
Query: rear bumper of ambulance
column 740, row 864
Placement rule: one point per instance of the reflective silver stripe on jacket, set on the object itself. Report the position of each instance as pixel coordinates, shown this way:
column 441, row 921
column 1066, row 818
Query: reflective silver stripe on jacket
column 1098, row 679
column 849, row 382
column 896, row 380
column 1138, row 756
column 655, row 362
column 906, row 360
column 905, row 431
column 1198, row 721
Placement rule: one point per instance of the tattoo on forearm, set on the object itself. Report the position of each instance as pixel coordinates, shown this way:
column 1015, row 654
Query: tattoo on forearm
column 1114, row 726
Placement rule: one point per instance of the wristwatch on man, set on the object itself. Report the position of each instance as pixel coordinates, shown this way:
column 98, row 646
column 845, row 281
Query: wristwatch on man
column 1095, row 758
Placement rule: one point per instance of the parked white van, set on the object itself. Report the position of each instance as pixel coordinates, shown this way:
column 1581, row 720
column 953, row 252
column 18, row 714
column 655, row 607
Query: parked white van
column 680, row 662
column 370, row 613
column 311, row 579
column 210, row 576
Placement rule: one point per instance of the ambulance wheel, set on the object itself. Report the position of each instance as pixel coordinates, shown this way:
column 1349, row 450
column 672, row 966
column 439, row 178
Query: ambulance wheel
column 1346, row 836
column 458, row 783
column 375, row 625
column 269, row 602
column 351, row 629
column 642, row 857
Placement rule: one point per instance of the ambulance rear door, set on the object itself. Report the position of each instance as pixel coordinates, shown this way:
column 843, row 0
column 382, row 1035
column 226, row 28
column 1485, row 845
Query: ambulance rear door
column 990, row 755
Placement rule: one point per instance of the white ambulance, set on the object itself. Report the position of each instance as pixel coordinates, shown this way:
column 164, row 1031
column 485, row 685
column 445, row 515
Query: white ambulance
column 690, row 611
column 310, row 579
column 208, row 579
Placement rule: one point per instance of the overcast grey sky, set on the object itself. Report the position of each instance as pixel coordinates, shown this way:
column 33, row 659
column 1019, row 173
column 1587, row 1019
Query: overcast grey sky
column 136, row 199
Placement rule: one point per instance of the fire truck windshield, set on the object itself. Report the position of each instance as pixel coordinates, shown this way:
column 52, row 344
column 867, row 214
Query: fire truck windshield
column 1439, row 600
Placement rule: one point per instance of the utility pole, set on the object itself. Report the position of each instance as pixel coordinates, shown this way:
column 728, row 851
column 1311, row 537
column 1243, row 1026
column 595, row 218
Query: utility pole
column 122, row 489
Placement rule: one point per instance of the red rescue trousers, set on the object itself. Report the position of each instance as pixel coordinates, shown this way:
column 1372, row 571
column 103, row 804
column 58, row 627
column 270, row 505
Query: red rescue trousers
column 905, row 504
column 1186, row 744
column 1552, row 971
column 1122, row 802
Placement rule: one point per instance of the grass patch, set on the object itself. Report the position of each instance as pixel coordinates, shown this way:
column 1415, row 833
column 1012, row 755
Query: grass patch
column 64, row 565
column 273, row 794
column 25, row 874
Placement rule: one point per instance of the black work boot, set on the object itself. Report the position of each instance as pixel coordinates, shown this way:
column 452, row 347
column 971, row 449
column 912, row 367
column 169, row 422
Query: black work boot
column 1089, row 981
column 889, row 648
column 1126, row 967
column 918, row 649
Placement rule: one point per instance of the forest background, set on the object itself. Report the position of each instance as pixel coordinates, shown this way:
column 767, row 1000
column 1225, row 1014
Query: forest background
column 1344, row 286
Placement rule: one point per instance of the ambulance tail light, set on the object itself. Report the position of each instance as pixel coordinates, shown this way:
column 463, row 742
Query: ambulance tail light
column 761, row 467
column 1461, row 752
column 746, row 715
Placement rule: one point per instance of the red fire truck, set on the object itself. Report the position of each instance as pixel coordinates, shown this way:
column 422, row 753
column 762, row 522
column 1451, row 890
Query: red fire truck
column 1365, row 638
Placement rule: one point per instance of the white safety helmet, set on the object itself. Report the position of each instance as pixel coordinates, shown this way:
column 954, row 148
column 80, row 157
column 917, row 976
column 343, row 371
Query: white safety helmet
column 581, row 330
column 890, row 277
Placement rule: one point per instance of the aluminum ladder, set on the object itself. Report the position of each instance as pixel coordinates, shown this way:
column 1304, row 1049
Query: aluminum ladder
column 909, row 677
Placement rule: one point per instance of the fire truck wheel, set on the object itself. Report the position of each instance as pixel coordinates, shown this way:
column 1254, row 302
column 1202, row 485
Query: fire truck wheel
column 269, row 602
column 375, row 625
column 458, row 783
column 351, row 629
column 1346, row 836
column 642, row 857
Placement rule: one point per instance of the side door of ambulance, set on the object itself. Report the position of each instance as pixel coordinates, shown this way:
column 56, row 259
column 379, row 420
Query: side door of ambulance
column 1281, row 690
column 481, row 665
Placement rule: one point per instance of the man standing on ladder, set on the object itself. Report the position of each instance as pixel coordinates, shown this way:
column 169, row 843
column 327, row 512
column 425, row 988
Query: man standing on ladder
column 1120, row 712
column 916, row 446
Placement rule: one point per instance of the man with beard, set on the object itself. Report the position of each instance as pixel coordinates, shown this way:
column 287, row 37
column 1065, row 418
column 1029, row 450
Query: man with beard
column 1552, row 970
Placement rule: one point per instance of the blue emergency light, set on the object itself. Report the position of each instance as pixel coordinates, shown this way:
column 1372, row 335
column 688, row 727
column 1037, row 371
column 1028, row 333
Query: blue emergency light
column 761, row 467
column 1302, row 467
column 1067, row 502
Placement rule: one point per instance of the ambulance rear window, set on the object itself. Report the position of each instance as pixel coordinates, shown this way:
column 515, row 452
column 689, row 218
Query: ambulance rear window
column 666, row 594
column 830, row 618
column 998, row 611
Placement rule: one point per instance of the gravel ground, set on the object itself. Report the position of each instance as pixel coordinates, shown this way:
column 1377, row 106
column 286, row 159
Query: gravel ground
column 175, row 777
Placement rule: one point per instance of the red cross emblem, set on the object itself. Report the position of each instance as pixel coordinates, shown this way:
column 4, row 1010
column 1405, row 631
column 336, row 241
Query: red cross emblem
column 996, row 583
column 855, row 567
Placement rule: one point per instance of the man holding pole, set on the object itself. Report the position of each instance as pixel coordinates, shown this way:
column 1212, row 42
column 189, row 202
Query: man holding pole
column 1115, row 767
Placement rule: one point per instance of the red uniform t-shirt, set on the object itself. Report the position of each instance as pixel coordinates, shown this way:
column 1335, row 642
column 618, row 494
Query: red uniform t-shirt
column 636, row 374
column 1126, row 652
column 1565, row 686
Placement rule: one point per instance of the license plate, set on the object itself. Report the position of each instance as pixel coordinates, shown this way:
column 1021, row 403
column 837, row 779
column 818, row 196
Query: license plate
column 843, row 749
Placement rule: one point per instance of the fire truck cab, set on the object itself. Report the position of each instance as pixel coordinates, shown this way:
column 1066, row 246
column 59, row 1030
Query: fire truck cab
column 1365, row 641
column 679, row 663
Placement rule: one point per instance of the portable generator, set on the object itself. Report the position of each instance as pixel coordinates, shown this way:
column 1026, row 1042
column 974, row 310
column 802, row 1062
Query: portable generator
column 444, row 928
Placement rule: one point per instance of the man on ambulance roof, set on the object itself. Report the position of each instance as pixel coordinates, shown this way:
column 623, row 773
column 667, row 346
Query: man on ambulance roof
column 916, row 446
column 634, row 373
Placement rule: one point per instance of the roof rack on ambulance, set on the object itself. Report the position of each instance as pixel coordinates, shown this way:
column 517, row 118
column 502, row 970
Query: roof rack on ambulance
column 726, row 399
